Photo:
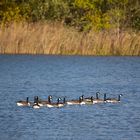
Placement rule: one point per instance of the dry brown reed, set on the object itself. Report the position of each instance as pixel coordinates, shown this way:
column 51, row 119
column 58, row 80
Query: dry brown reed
column 54, row 38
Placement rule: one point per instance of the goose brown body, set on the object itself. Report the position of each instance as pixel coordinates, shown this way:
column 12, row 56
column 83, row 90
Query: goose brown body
column 24, row 103
column 58, row 104
column 113, row 100
column 76, row 102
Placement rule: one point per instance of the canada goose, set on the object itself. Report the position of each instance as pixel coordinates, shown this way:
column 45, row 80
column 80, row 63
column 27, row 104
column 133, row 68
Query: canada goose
column 44, row 103
column 64, row 100
column 91, row 98
column 58, row 104
column 88, row 100
column 76, row 102
column 113, row 100
column 97, row 100
column 36, row 103
column 36, row 99
column 24, row 103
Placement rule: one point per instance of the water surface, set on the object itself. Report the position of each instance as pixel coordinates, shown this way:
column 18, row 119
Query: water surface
column 70, row 76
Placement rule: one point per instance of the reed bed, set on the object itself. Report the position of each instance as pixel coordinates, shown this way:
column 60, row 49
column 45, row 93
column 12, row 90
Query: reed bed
column 55, row 38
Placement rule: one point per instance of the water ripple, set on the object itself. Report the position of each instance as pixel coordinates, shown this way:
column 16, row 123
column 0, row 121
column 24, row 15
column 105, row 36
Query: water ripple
column 71, row 76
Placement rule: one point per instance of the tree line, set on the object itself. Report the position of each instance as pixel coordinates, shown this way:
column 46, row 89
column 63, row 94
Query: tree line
column 83, row 15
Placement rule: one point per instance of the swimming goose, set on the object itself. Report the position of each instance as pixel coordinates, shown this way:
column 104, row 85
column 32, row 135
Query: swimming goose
column 97, row 100
column 24, row 103
column 113, row 100
column 88, row 100
column 44, row 103
column 76, row 102
column 91, row 98
column 36, row 103
column 58, row 104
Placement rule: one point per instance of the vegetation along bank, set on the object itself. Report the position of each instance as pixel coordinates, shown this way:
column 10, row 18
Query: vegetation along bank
column 72, row 27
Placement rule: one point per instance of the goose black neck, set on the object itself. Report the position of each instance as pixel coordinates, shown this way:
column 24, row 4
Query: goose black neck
column 82, row 96
column 36, row 99
column 91, row 98
column 64, row 100
column 105, row 97
column 80, row 99
column 49, row 99
column 119, row 97
column 27, row 99
column 58, row 100
column 97, row 95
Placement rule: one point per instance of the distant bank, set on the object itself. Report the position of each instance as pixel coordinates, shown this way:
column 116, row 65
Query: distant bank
column 41, row 38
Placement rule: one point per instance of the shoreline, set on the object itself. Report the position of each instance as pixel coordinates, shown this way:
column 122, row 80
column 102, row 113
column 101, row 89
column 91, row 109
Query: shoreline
column 70, row 55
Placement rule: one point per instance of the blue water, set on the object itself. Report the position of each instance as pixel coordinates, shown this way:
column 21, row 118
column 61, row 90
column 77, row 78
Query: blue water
column 70, row 76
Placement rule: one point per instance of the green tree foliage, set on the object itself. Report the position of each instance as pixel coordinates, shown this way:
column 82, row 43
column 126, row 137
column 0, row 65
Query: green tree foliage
column 82, row 14
column 57, row 9
column 102, row 14
column 133, row 14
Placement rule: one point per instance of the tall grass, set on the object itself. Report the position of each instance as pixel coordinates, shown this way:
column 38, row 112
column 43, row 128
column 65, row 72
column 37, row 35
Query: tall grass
column 54, row 38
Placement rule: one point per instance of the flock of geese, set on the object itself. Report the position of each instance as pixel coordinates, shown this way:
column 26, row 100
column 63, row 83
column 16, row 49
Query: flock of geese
column 37, row 103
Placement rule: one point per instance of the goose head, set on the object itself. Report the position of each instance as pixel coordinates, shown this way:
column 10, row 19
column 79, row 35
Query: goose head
column 64, row 100
column 97, row 95
column 49, row 98
column 58, row 100
column 27, row 99
column 119, row 97
column 104, row 96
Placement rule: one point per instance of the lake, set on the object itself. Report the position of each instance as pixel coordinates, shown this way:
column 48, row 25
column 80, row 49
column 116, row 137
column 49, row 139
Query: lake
column 24, row 76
